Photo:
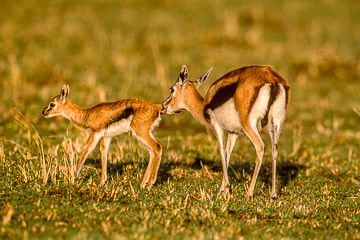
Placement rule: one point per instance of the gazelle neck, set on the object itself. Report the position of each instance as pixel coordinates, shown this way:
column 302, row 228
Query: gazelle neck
column 195, row 105
column 75, row 114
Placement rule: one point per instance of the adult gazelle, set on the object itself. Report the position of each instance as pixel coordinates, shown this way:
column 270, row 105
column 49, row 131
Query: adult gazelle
column 245, row 99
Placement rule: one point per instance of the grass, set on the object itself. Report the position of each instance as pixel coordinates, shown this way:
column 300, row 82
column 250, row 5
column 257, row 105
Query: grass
column 108, row 50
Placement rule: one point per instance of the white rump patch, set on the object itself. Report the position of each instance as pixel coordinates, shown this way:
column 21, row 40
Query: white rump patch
column 260, row 106
column 277, row 110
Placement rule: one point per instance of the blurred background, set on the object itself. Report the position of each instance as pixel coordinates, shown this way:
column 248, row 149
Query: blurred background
column 110, row 50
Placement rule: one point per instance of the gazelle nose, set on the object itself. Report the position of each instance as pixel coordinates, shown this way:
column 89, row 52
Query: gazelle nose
column 43, row 112
column 163, row 111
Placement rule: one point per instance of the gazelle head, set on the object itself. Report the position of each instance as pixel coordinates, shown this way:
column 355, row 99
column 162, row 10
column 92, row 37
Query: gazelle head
column 56, row 106
column 182, row 91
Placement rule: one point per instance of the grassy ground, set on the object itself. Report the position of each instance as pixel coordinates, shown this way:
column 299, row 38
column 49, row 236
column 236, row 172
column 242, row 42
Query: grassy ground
column 108, row 50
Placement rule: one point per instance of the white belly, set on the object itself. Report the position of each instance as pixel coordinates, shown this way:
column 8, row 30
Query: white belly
column 260, row 106
column 227, row 116
column 118, row 127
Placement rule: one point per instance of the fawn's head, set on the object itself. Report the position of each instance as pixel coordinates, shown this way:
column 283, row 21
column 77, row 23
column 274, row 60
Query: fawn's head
column 56, row 106
column 182, row 91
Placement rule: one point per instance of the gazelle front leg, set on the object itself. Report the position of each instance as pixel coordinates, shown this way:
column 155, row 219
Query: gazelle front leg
column 155, row 151
column 88, row 148
column 104, row 149
column 155, row 163
column 230, row 143
column 219, row 133
column 150, row 175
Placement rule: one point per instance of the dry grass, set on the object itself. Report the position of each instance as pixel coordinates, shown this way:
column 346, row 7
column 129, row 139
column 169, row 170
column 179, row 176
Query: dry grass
column 107, row 50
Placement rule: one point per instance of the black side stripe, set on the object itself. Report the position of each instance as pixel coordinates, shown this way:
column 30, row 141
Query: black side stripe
column 124, row 114
column 221, row 96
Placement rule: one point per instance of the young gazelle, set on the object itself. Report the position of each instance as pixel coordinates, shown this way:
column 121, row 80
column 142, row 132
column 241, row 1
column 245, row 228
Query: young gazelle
column 241, row 100
column 106, row 120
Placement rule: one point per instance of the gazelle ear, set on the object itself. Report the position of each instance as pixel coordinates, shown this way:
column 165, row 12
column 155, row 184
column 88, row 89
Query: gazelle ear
column 183, row 75
column 64, row 92
column 202, row 78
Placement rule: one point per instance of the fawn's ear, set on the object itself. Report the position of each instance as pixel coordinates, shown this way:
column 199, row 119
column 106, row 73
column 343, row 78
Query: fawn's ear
column 64, row 92
column 183, row 75
column 203, row 77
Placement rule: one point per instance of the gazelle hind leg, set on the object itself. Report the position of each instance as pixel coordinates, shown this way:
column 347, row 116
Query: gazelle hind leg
column 252, row 132
column 276, row 119
column 274, row 132
column 104, row 149
column 155, row 151
column 88, row 148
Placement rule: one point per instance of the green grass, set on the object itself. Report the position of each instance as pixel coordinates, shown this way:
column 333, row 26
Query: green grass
column 109, row 50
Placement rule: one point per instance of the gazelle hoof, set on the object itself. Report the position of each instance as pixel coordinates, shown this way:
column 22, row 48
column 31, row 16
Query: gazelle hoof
column 249, row 195
column 273, row 196
column 224, row 191
column 146, row 185
column 102, row 182
column 143, row 185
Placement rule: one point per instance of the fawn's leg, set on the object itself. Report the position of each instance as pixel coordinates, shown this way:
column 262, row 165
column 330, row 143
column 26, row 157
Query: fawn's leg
column 104, row 148
column 88, row 148
column 155, row 151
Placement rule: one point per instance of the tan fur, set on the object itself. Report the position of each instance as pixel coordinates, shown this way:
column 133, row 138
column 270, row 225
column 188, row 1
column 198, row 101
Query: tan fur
column 107, row 120
column 250, row 93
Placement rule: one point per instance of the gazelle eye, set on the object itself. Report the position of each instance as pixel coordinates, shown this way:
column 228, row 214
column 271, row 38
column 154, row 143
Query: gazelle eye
column 52, row 105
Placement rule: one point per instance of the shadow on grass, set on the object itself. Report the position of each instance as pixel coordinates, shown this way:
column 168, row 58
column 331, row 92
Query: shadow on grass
column 119, row 167
column 286, row 170
column 238, row 171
